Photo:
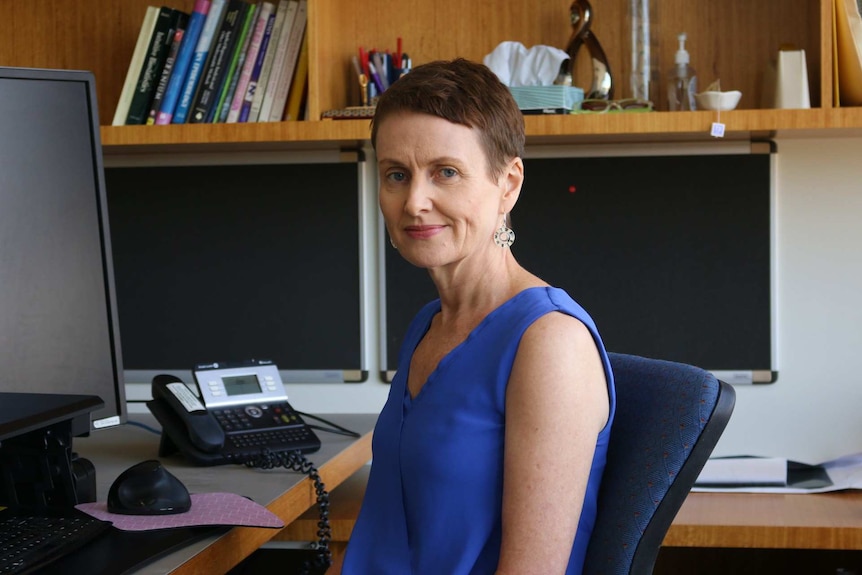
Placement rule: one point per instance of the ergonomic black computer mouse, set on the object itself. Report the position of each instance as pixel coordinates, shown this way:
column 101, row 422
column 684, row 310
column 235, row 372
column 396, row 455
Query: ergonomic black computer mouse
column 147, row 488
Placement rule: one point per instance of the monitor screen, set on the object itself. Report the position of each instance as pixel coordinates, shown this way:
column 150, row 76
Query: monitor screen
column 58, row 320
column 236, row 262
column 671, row 254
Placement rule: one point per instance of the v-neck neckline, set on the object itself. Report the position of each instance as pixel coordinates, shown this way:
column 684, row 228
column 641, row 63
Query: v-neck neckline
column 409, row 399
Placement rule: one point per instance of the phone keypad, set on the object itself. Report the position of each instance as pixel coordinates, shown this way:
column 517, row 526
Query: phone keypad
column 277, row 440
column 250, row 428
column 256, row 417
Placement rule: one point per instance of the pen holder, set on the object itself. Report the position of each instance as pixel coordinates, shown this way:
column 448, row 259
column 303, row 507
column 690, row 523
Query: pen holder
column 543, row 97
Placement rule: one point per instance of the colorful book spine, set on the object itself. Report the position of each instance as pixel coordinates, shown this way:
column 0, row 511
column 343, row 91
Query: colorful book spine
column 285, row 76
column 181, row 65
column 237, row 62
column 164, row 76
column 254, row 82
column 285, row 14
column 199, row 60
column 205, row 99
column 280, row 47
column 135, row 66
column 157, row 51
column 264, row 13
column 299, row 86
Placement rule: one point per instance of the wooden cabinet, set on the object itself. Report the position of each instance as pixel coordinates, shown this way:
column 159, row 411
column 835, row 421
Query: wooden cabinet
column 732, row 40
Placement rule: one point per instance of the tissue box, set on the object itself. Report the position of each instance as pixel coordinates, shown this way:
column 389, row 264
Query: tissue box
column 539, row 97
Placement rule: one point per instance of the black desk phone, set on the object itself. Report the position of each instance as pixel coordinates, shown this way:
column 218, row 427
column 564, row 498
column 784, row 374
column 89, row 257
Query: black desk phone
column 242, row 411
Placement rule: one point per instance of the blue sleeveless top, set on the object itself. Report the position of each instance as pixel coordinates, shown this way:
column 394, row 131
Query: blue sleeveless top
column 433, row 503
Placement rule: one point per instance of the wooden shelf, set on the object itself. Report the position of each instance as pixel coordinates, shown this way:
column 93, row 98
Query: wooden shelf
column 325, row 134
column 733, row 41
column 605, row 128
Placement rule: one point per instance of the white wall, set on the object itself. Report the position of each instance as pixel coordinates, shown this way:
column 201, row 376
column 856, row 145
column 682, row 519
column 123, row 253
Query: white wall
column 814, row 411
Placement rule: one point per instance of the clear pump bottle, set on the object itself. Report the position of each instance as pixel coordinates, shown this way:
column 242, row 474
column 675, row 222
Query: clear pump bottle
column 682, row 81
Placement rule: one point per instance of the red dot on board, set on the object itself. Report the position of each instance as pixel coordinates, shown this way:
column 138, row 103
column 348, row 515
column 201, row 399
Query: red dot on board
column 572, row 189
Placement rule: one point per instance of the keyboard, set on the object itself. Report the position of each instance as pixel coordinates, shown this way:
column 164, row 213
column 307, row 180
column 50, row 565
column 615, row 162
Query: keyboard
column 32, row 540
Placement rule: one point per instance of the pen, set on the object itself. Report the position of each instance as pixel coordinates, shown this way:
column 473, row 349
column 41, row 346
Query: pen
column 380, row 67
column 363, row 59
column 376, row 77
column 392, row 71
column 398, row 53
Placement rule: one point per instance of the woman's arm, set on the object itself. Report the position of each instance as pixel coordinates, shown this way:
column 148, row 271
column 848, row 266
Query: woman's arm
column 556, row 405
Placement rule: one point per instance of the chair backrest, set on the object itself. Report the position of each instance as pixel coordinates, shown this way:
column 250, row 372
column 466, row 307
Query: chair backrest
column 668, row 419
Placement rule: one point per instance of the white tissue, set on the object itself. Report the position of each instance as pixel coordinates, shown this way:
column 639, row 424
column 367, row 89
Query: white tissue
column 516, row 65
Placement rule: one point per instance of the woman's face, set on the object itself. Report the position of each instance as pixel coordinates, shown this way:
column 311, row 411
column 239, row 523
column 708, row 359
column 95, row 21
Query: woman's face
column 438, row 199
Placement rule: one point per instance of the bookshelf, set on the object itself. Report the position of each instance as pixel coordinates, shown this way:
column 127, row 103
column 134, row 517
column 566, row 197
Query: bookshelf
column 733, row 40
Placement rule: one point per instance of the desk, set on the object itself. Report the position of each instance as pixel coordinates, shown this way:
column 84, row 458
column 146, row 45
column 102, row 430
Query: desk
column 285, row 493
column 711, row 533
column 769, row 521
column 764, row 534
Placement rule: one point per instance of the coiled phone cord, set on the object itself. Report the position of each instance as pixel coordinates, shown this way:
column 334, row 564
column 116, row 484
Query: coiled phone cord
column 296, row 461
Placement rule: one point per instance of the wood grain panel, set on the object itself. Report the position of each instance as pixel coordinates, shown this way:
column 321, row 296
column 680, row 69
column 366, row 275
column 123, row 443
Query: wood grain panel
column 241, row 542
column 777, row 521
column 70, row 34
column 732, row 40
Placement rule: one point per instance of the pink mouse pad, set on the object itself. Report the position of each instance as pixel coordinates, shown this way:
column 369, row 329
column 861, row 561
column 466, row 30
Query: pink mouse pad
column 206, row 509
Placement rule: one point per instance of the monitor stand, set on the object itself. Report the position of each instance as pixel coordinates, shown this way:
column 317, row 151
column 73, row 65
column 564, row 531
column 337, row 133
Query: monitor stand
column 37, row 466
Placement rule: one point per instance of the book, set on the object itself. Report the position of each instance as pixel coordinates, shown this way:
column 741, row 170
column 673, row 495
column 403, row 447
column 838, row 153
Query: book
column 237, row 61
column 145, row 87
column 199, row 60
column 135, row 66
column 848, row 37
column 263, row 15
column 177, row 33
column 205, row 99
column 284, row 16
column 182, row 62
column 299, row 86
column 285, row 75
column 252, row 86
column 281, row 66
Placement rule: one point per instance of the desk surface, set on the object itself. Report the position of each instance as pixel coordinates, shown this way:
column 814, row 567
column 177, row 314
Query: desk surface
column 718, row 520
column 769, row 521
column 287, row 494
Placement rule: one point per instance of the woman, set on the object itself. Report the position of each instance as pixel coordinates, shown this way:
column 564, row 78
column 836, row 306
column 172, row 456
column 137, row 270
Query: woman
column 490, row 448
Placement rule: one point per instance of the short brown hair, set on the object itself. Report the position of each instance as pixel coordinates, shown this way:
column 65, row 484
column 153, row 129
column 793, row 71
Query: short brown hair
column 462, row 92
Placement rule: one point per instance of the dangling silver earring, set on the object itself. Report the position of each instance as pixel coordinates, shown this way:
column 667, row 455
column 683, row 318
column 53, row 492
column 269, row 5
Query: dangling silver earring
column 504, row 236
column 392, row 243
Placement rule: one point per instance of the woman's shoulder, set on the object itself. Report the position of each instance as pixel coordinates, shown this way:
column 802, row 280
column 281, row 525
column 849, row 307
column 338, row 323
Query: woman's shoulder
column 553, row 298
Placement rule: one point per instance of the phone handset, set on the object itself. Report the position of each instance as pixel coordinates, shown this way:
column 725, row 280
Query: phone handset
column 201, row 427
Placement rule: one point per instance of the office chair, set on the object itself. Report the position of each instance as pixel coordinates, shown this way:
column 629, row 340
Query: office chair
column 668, row 419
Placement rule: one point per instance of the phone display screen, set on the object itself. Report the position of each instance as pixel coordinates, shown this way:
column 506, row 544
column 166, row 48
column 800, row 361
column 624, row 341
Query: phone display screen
column 241, row 384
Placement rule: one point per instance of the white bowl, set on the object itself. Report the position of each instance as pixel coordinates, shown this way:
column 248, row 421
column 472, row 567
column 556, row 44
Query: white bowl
column 718, row 100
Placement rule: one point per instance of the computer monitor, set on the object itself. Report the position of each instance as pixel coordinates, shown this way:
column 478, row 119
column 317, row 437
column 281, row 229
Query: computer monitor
column 668, row 247
column 235, row 261
column 58, row 321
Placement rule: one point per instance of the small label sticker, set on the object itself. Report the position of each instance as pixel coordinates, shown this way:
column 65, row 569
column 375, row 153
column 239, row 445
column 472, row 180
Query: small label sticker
column 717, row 130
column 186, row 397
column 106, row 422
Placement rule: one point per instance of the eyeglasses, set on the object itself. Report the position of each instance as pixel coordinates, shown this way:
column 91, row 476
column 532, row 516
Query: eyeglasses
column 599, row 106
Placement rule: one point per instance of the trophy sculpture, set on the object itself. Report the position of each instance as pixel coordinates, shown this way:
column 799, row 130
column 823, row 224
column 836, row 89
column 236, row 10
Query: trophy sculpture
column 602, row 82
